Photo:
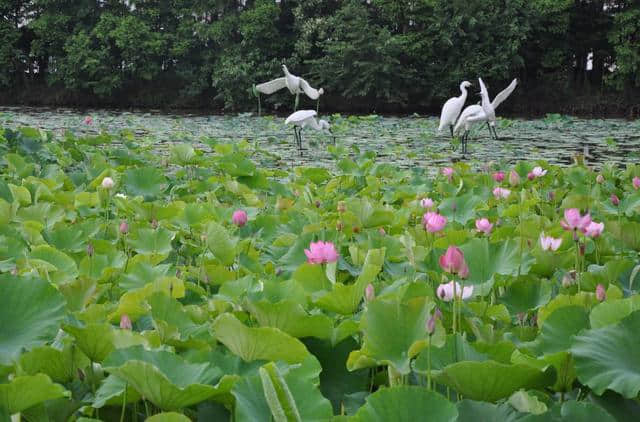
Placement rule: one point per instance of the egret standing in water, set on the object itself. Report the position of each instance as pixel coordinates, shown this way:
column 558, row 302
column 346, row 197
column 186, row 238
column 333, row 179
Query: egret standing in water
column 303, row 118
column 452, row 108
column 295, row 84
column 489, row 107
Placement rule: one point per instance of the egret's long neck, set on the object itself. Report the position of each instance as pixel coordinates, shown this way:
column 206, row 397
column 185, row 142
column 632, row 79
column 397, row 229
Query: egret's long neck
column 463, row 90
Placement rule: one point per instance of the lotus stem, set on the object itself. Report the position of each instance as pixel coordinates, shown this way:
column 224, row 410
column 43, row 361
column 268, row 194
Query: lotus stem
column 124, row 403
column 429, row 364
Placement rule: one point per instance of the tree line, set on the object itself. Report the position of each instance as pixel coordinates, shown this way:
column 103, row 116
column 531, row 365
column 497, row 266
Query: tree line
column 579, row 56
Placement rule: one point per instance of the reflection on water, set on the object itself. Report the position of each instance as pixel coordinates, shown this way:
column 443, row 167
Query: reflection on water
column 407, row 142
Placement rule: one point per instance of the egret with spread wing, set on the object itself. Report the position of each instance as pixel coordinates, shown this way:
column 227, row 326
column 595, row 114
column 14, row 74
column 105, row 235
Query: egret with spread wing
column 452, row 108
column 295, row 84
column 303, row 118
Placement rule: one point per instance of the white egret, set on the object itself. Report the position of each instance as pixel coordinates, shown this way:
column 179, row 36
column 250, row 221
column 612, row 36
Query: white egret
column 303, row 118
column 489, row 107
column 473, row 113
column 452, row 108
column 295, row 84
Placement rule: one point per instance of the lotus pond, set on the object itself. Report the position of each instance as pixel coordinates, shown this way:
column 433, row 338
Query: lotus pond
column 406, row 142
column 191, row 285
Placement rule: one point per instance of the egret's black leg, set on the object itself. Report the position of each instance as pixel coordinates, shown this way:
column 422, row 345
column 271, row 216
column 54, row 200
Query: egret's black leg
column 300, row 148
column 495, row 133
column 490, row 133
column 451, row 128
column 295, row 105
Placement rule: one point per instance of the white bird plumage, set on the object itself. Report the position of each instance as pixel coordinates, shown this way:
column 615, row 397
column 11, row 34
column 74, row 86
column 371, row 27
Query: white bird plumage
column 486, row 112
column 295, row 84
column 303, row 118
column 452, row 108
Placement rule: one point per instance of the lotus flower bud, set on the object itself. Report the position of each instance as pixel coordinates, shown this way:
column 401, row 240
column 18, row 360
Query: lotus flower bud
column 369, row 292
column 514, row 178
column 636, row 182
column 382, row 231
column 601, row 294
column 14, row 271
column 356, row 229
column 531, row 176
column 107, row 183
column 568, row 279
column 600, row 179
column 88, row 120
column 239, row 218
column 615, row 200
column 154, row 224
column 339, row 226
column 124, row 227
column 90, row 249
column 426, row 203
column 551, row 195
column 498, row 176
column 582, row 249
column 431, row 325
column 125, row 322
column 318, row 203
column 341, row 207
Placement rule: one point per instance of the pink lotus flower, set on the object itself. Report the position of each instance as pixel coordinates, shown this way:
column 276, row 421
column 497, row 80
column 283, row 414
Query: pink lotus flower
column 124, row 227
column 574, row 221
column 498, row 176
column 615, row 200
column 453, row 262
column 483, row 225
column 369, row 292
column 431, row 322
column 636, row 182
column 601, row 294
column 448, row 171
column 88, row 120
column 321, row 252
column 445, row 291
column 426, row 203
column 538, row 172
column 514, row 178
column 531, row 176
column 125, row 322
column 594, row 229
column 549, row 243
column 433, row 222
column 501, row 193
column 239, row 218
column 107, row 183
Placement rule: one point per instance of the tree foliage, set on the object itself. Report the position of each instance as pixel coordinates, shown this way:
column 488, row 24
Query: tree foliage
column 375, row 54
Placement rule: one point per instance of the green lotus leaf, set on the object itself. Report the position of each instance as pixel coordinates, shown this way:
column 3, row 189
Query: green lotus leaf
column 455, row 349
column 172, row 322
column 525, row 294
column 59, row 365
column 221, row 244
column 475, row 411
column 111, row 393
column 583, row 299
column 94, row 339
column 168, row 417
column 612, row 312
column 35, row 310
column 151, row 242
column 487, row 259
column 183, row 154
column 291, row 394
column 140, row 273
column 70, row 239
column 162, row 377
column 527, row 403
column 27, row 391
column 236, row 164
column 460, row 209
column 491, row 381
column 608, row 357
column 584, row 411
column 65, row 267
column 394, row 332
column 406, row 404
column 148, row 182
column 291, row 318
column 264, row 343
column 559, row 329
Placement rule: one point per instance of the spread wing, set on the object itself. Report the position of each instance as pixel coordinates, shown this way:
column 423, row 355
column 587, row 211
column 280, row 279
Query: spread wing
column 504, row 94
column 312, row 93
column 272, row 86
column 486, row 103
